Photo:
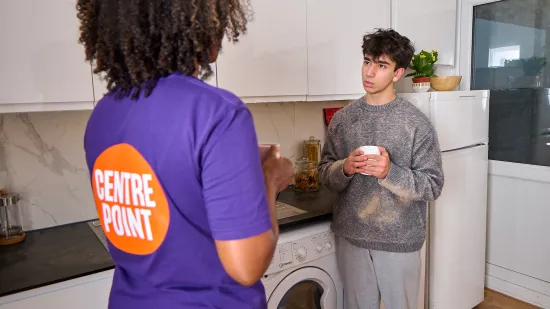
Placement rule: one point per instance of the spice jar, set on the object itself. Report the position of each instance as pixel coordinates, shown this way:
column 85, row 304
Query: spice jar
column 306, row 178
column 11, row 223
column 312, row 149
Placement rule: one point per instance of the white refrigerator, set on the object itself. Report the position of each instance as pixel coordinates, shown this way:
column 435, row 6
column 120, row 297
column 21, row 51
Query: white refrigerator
column 455, row 250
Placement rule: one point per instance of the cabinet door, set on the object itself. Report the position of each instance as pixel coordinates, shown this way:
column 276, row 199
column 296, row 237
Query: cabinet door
column 335, row 31
column 430, row 24
column 41, row 60
column 271, row 59
column 88, row 295
column 457, row 231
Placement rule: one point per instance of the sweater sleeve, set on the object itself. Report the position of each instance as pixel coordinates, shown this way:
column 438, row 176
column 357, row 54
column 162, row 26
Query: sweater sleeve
column 331, row 166
column 424, row 180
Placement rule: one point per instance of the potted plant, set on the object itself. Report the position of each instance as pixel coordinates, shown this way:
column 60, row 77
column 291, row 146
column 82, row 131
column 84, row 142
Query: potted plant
column 422, row 65
column 531, row 68
column 533, row 65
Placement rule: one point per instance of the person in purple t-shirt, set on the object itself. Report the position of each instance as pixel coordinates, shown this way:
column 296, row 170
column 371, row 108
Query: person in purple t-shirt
column 186, row 203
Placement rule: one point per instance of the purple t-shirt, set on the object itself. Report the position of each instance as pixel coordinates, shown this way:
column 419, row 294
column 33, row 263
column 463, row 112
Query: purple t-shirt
column 170, row 174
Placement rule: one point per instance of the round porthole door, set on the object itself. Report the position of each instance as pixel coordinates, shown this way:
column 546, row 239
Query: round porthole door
column 305, row 288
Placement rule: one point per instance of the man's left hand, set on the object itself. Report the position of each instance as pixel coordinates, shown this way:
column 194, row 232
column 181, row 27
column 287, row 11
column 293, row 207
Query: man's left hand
column 378, row 165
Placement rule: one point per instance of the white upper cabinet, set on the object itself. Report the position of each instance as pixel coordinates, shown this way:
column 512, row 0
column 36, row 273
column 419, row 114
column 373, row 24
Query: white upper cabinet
column 335, row 31
column 41, row 60
column 294, row 50
column 430, row 24
column 269, row 62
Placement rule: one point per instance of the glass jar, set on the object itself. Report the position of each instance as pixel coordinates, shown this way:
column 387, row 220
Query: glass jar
column 306, row 177
column 11, row 223
column 312, row 149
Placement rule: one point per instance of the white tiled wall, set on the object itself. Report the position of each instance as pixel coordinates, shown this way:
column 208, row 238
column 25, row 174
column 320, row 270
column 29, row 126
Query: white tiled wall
column 290, row 123
column 42, row 155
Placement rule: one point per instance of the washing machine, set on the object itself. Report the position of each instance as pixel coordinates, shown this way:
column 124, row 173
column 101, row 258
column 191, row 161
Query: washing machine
column 303, row 273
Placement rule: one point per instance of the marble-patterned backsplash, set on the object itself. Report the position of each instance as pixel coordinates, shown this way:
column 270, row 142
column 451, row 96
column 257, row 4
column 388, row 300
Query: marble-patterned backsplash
column 42, row 155
column 289, row 124
column 42, row 159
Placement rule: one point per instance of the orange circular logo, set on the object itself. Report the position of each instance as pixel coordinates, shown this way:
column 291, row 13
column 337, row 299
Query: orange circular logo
column 130, row 201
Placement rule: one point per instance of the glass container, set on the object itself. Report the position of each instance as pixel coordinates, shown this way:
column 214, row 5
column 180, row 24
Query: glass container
column 11, row 220
column 306, row 177
column 312, row 149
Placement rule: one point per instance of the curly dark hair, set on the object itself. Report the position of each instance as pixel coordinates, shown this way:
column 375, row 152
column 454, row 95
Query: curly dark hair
column 390, row 43
column 137, row 42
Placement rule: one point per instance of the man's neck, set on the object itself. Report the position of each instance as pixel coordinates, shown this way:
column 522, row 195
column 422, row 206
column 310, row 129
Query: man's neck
column 381, row 98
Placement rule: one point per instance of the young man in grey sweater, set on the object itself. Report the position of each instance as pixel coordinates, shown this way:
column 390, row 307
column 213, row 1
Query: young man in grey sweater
column 380, row 219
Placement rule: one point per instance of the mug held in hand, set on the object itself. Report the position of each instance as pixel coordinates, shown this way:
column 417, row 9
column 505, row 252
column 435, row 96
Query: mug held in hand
column 369, row 150
column 264, row 151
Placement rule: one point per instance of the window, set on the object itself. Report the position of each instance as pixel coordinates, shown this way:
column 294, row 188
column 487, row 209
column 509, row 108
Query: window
column 511, row 58
column 497, row 55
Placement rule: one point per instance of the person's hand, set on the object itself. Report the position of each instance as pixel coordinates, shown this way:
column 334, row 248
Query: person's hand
column 378, row 165
column 278, row 170
column 355, row 163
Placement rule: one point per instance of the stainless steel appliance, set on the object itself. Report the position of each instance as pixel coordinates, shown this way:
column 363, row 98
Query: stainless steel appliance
column 519, row 126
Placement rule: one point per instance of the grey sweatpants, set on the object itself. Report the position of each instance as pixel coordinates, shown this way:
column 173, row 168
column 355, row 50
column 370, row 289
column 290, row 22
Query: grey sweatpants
column 369, row 275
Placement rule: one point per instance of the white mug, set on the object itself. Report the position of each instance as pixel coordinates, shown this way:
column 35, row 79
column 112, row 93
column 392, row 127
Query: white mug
column 369, row 150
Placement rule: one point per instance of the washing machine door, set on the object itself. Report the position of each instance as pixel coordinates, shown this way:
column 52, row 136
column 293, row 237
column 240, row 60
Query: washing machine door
column 305, row 288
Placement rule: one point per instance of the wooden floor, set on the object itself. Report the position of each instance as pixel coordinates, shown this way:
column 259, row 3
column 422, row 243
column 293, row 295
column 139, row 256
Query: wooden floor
column 494, row 300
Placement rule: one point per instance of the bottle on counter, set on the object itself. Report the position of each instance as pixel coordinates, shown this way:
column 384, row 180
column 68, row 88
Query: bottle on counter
column 312, row 149
column 306, row 177
column 11, row 220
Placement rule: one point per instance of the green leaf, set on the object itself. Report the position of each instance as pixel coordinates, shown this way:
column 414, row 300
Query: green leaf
column 423, row 67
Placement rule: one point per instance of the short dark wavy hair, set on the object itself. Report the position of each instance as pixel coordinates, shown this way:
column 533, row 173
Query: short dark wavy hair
column 390, row 43
column 134, row 43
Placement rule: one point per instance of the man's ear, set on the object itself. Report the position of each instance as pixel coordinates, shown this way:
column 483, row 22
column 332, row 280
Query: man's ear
column 398, row 74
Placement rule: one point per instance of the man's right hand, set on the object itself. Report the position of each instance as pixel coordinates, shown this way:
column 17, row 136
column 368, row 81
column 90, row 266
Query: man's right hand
column 355, row 163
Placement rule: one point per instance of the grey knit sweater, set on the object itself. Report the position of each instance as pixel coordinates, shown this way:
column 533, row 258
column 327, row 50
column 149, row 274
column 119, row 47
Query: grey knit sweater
column 389, row 214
